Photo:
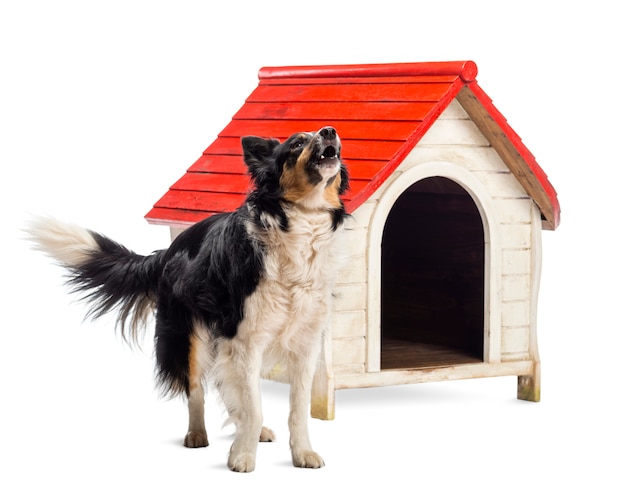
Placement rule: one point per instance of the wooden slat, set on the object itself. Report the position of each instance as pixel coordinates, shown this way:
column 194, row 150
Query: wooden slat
column 346, row 324
column 201, row 201
column 356, row 186
column 225, row 146
column 175, row 217
column 216, row 202
column 348, row 351
column 218, row 183
column 224, row 164
column 362, row 150
column 370, row 150
column 357, row 130
column 449, row 373
column 374, row 92
column 227, row 164
column 383, row 111
column 363, row 169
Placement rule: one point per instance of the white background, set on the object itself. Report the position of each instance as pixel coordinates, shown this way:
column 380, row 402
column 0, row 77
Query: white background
column 105, row 104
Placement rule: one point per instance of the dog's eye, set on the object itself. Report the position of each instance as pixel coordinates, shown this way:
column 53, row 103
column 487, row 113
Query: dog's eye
column 297, row 144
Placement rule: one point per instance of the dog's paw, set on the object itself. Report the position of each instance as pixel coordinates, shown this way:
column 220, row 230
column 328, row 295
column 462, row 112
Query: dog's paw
column 307, row 459
column 267, row 435
column 196, row 439
column 241, row 463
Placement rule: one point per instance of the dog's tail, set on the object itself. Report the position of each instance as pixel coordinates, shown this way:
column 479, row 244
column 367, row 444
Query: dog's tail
column 110, row 276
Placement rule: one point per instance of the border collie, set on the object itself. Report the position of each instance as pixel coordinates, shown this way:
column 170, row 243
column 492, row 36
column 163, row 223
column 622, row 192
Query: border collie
column 235, row 295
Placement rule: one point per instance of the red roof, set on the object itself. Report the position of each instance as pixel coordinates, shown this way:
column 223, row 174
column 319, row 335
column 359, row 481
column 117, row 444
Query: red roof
column 381, row 111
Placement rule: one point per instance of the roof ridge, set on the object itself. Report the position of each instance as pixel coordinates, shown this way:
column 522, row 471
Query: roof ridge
column 466, row 70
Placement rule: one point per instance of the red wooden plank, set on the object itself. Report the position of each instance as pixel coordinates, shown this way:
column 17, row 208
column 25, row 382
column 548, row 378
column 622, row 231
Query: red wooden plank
column 358, row 80
column 275, row 128
column 173, row 210
column 365, row 149
column 201, row 201
column 363, row 169
column 390, row 92
column 228, row 183
column 356, row 186
column 224, row 164
column 237, row 183
column 466, row 69
column 383, row 111
column 358, row 168
column 370, row 150
column 175, row 217
column 225, row 146
column 186, row 217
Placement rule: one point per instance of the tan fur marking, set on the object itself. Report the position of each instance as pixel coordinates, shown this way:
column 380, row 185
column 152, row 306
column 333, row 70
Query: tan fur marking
column 331, row 193
column 196, row 434
column 195, row 367
column 298, row 189
column 200, row 357
column 294, row 180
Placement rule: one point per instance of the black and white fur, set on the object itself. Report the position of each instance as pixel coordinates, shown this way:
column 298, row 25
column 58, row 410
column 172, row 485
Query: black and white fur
column 235, row 295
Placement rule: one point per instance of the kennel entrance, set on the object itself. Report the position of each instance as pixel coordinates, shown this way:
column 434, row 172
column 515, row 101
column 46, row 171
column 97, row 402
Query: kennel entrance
column 432, row 278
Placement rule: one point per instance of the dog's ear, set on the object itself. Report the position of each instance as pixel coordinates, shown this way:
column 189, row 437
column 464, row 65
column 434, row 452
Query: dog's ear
column 256, row 150
column 257, row 154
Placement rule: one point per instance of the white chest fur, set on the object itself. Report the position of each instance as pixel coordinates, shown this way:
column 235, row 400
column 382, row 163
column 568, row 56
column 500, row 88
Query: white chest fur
column 290, row 308
column 307, row 255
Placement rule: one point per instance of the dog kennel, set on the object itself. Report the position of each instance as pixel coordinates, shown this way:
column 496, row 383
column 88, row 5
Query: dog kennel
column 447, row 205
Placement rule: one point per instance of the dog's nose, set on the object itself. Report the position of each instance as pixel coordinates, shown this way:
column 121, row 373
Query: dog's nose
column 328, row 133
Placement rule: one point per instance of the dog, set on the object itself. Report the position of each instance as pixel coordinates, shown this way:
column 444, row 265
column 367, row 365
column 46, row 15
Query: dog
column 235, row 295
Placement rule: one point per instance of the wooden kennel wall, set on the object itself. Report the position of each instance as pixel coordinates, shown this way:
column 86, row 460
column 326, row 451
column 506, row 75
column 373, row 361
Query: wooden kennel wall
column 448, row 206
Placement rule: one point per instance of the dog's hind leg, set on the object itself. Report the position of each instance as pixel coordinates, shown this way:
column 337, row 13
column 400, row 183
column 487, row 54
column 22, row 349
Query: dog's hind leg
column 196, row 434
column 267, row 435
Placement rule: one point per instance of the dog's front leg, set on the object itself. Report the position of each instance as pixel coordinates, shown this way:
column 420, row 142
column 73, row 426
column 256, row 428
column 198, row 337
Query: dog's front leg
column 244, row 387
column 301, row 383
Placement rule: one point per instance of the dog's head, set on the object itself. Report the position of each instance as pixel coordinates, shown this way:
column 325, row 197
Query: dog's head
column 306, row 169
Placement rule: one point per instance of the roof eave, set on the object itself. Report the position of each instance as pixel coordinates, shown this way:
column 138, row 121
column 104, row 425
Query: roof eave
column 513, row 152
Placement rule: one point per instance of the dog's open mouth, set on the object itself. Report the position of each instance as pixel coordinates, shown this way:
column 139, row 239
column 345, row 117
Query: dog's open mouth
column 329, row 156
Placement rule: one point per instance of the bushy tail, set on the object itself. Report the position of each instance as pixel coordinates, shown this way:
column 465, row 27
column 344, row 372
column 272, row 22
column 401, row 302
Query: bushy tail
column 110, row 276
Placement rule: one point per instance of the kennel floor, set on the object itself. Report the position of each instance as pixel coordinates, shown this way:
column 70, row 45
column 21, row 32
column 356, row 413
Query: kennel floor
column 403, row 354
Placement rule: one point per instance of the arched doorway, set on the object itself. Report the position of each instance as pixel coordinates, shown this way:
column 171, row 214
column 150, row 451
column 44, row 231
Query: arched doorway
column 432, row 278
